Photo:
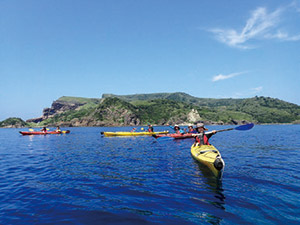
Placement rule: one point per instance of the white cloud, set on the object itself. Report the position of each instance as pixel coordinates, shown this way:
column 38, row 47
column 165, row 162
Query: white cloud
column 224, row 77
column 246, row 93
column 283, row 36
column 261, row 25
column 295, row 4
column 257, row 89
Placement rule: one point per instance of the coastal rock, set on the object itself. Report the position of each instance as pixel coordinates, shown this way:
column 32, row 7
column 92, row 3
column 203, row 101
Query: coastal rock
column 193, row 116
column 35, row 120
column 239, row 122
column 56, row 108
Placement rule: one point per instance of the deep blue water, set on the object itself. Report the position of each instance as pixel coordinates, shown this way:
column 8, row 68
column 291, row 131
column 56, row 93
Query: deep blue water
column 83, row 178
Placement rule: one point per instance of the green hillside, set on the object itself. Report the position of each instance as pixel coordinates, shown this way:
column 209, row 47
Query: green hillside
column 161, row 111
column 13, row 122
column 162, row 108
column 79, row 100
column 257, row 109
column 269, row 110
column 112, row 109
column 178, row 96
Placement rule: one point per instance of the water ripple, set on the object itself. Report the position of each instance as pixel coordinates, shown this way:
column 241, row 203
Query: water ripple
column 82, row 178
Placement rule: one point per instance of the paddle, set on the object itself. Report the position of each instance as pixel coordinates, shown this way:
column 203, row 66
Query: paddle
column 247, row 126
column 159, row 136
column 33, row 129
column 162, row 137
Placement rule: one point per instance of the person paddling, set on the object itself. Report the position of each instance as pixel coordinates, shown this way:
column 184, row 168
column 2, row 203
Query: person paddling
column 201, row 138
column 58, row 129
column 177, row 129
column 44, row 129
column 150, row 128
column 191, row 129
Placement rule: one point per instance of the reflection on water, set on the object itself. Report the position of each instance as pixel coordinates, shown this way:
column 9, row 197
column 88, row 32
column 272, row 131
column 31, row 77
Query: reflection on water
column 214, row 186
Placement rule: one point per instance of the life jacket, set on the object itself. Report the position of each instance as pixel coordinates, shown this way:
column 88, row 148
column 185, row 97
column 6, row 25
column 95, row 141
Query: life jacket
column 150, row 129
column 192, row 131
column 202, row 139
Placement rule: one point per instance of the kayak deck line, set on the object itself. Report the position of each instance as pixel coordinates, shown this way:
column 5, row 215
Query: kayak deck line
column 174, row 135
column 43, row 133
column 202, row 152
column 127, row 133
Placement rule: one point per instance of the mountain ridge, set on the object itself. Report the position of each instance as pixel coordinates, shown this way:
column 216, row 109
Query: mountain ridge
column 164, row 108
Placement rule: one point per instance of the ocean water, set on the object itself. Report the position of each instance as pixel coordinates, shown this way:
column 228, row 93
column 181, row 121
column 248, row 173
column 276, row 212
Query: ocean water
column 83, row 178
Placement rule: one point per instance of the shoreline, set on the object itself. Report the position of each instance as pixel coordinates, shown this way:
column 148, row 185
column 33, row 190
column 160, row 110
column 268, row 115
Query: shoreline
column 182, row 125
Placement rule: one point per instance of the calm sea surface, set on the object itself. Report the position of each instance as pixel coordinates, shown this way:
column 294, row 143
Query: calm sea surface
column 83, row 178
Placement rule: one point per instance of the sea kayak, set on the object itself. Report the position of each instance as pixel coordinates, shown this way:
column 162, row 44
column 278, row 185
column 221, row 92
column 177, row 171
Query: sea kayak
column 121, row 133
column 175, row 136
column 43, row 133
column 209, row 156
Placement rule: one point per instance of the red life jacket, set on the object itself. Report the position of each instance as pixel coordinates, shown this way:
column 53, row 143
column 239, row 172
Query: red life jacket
column 205, row 140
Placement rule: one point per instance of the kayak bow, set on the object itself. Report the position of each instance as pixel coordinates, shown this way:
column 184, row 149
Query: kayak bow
column 209, row 156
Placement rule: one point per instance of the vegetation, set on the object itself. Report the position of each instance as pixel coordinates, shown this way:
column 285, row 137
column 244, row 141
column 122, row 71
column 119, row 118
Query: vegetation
column 269, row 110
column 79, row 100
column 163, row 108
column 13, row 122
column 161, row 111
column 224, row 115
column 111, row 108
column 179, row 97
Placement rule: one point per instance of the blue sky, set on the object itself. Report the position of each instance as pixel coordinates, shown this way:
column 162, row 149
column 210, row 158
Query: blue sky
column 206, row 48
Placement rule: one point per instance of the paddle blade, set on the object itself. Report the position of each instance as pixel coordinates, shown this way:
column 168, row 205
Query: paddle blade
column 31, row 130
column 245, row 127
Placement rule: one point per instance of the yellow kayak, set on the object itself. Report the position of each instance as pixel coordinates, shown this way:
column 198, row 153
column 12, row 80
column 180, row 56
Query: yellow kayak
column 209, row 156
column 121, row 133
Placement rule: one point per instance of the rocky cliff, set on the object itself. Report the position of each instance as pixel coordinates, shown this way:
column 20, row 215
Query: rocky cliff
column 165, row 108
column 112, row 111
column 56, row 108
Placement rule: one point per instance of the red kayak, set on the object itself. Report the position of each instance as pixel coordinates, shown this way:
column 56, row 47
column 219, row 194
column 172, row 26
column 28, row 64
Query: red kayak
column 43, row 133
column 175, row 136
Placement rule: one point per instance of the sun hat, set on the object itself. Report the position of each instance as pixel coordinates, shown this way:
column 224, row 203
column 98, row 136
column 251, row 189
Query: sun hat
column 200, row 125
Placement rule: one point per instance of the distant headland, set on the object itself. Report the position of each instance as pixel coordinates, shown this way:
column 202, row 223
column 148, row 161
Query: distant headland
column 160, row 109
